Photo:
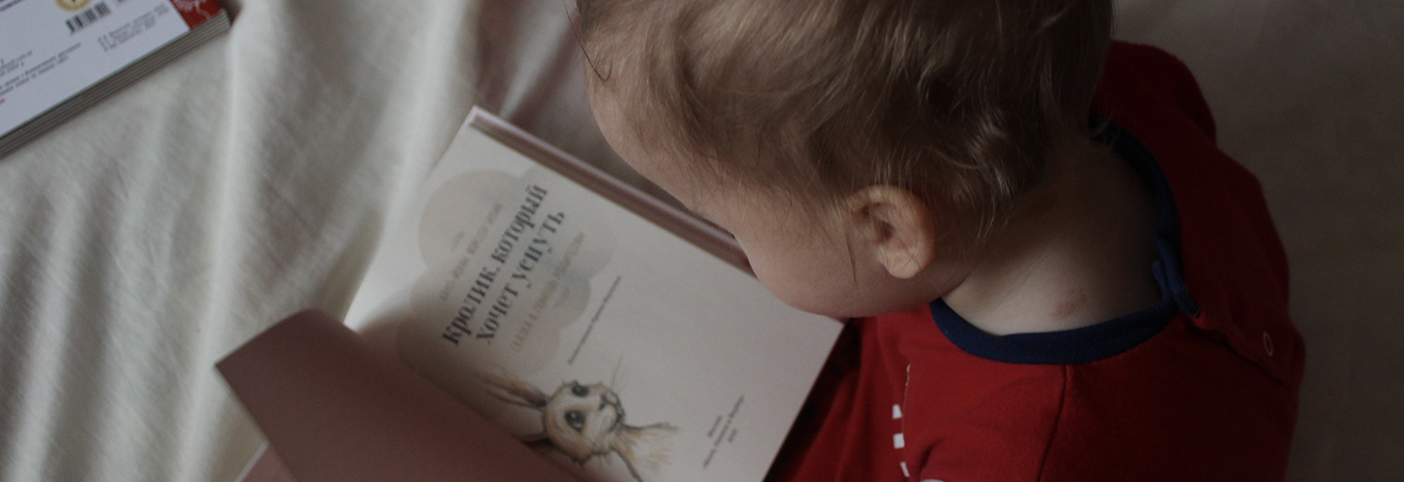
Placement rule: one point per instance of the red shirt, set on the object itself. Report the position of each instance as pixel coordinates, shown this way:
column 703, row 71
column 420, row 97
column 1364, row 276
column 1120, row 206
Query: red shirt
column 1201, row 386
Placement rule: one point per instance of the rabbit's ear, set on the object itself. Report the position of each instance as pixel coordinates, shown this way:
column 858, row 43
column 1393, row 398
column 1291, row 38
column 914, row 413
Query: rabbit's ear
column 511, row 390
column 643, row 447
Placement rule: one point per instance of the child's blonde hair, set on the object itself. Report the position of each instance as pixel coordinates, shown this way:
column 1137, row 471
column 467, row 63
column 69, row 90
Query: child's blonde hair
column 962, row 102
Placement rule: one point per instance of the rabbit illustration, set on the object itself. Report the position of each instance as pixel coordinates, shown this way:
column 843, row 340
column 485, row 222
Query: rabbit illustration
column 583, row 422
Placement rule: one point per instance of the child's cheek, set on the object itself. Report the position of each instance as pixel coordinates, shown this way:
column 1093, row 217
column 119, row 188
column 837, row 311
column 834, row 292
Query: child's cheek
column 805, row 281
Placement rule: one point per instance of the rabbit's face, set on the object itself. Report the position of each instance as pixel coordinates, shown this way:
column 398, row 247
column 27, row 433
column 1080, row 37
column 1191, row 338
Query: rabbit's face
column 581, row 420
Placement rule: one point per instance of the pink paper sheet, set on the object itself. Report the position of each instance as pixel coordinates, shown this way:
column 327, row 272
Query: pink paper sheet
column 336, row 410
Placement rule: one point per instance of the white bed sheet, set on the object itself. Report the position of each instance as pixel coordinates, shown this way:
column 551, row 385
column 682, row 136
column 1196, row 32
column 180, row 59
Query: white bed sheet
column 153, row 234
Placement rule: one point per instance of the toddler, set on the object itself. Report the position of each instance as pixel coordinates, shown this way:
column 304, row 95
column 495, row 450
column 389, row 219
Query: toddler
column 1053, row 272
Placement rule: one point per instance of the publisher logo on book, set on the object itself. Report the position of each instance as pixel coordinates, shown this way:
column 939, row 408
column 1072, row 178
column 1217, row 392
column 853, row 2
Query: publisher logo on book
column 190, row 6
column 196, row 12
column 73, row 5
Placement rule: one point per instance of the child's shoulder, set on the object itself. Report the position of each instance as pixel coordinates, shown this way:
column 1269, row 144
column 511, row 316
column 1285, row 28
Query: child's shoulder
column 1234, row 266
column 1136, row 74
column 1177, row 406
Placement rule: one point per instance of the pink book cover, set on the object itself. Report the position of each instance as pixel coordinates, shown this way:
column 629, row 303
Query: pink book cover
column 334, row 409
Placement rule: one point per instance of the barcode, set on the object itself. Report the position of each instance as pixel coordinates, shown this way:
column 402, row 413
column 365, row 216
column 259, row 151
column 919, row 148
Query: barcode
column 87, row 17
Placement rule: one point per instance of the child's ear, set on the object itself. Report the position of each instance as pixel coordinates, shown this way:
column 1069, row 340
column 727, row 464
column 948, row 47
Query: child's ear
column 896, row 226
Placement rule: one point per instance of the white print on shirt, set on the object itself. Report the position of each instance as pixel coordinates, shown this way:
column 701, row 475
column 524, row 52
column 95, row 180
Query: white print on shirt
column 899, row 441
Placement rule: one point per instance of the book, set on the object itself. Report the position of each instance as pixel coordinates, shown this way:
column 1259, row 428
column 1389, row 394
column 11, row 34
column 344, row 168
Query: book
column 58, row 57
column 612, row 334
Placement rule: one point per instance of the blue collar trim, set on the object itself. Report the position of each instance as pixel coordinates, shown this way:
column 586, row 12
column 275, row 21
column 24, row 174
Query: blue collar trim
column 1108, row 338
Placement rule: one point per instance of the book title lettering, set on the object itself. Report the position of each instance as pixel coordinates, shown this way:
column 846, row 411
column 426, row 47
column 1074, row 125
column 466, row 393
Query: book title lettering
column 525, row 233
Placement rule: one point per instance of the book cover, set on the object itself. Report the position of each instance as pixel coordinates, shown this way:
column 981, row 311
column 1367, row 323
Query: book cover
column 337, row 410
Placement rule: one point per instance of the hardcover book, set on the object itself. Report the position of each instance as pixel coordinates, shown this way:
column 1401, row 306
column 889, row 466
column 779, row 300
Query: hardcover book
column 609, row 333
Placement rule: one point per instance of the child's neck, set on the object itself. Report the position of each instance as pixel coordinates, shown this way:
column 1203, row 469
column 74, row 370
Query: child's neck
column 1077, row 252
